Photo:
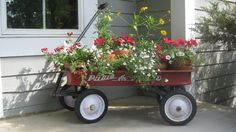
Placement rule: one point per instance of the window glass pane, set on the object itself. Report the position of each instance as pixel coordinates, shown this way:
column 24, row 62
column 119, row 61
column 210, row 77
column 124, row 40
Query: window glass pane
column 24, row 14
column 61, row 14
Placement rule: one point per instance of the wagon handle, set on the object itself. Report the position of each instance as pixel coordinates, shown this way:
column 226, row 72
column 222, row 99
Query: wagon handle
column 100, row 8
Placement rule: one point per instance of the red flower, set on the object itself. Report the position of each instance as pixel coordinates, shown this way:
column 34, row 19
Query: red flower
column 120, row 41
column 99, row 41
column 174, row 43
column 166, row 40
column 193, row 42
column 130, row 40
column 44, row 50
column 159, row 47
column 188, row 43
column 181, row 42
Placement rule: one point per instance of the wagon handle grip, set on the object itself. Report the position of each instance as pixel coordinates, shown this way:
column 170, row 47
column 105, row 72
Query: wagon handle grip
column 100, row 7
column 103, row 6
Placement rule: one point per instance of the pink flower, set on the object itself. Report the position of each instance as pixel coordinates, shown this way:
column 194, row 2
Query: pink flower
column 99, row 41
column 58, row 49
column 130, row 40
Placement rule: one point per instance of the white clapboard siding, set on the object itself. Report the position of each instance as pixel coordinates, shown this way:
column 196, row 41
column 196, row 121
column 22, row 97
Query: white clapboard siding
column 217, row 57
column 216, row 70
column 26, row 65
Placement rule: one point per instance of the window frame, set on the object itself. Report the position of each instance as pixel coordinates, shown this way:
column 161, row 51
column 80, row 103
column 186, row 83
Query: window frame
column 39, row 32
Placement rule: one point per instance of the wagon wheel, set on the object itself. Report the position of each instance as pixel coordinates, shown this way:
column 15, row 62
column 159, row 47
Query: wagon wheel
column 67, row 102
column 91, row 106
column 178, row 108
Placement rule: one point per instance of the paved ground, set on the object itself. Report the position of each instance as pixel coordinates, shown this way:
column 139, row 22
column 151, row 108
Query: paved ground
column 125, row 116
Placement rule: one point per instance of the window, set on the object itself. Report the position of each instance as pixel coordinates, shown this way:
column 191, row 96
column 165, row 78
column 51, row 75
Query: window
column 42, row 14
column 37, row 16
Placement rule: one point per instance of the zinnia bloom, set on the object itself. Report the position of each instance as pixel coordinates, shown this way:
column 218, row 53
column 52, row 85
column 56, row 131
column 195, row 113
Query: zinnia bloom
column 163, row 32
column 99, row 41
column 161, row 21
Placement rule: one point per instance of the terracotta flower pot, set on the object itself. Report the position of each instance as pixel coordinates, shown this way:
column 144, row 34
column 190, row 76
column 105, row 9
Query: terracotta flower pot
column 175, row 65
column 121, row 52
column 162, row 66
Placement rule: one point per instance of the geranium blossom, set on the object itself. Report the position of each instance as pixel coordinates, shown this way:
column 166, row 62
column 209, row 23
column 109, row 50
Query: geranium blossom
column 99, row 41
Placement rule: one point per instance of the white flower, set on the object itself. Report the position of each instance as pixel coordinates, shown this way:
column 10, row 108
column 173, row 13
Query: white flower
column 153, row 71
column 180, row 53
column 133, row 48
column 108, row 64
column 168, row 57
column 124, row 63
column 135, row 71
column 166, row 80
column 148, row 74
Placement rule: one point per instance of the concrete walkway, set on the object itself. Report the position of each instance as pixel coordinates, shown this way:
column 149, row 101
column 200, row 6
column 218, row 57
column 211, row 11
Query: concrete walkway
column 134, row 114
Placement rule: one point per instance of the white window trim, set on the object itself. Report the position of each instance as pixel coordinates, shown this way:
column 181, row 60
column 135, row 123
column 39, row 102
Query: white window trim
column 39, row 32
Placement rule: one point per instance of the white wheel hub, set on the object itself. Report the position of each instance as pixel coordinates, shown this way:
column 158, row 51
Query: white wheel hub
column 178, row 108
column 92, row 107
column 69, row 101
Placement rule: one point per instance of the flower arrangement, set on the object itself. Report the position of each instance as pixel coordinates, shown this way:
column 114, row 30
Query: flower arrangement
column 180, row 52
column 139, row 53
column 70, row 55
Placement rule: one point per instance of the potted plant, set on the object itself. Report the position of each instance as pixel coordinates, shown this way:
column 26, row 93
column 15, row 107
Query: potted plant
column 180, row 54
column 73, row 58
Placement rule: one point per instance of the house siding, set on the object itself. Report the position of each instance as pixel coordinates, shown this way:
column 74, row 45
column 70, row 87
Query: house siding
column 216, row 77
column 28, row 80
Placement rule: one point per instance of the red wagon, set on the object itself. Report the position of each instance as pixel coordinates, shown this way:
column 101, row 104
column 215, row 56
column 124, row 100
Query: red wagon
column 177, row 106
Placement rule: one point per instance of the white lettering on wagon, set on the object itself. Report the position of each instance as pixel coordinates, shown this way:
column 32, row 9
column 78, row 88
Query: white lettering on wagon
column 122, row 78
column 101, row 78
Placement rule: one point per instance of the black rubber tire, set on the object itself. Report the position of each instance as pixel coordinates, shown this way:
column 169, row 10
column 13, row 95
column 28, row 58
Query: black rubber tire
column 159, row 98
column 163, row 112
column 62, row 99
column 81, row 97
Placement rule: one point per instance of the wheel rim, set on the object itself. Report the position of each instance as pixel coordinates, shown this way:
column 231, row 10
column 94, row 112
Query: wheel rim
column 92, row 107
column 178, row 108
column 69, row 101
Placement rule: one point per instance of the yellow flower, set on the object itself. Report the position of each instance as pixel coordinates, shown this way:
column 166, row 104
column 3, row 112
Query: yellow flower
column 143, row 9
column 107, row 18
column 161, row 21
column 163, row 32
column 118, row 13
